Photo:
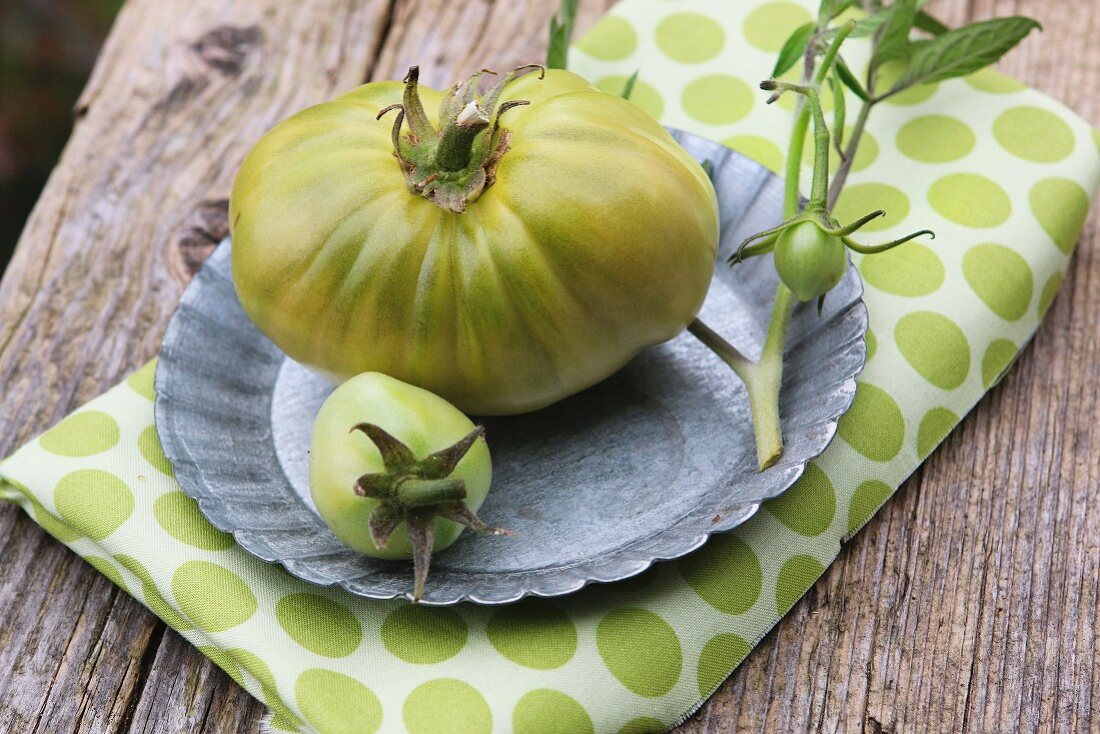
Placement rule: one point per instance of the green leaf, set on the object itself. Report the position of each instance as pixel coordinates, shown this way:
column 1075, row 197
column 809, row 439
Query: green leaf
column 628, row 88
column 929, row 24
column 867, row 26
column 893, row 37
column 845, row 74
column 963, row 51
column 793, row 49
column 835, row 8
column 561, row 31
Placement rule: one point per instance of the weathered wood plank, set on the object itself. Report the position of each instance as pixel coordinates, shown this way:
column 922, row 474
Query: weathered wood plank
column 968, row 604
column 136, row 201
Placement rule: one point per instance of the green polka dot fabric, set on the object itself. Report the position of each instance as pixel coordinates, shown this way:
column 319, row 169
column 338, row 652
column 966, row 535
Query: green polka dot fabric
column 1003, row 174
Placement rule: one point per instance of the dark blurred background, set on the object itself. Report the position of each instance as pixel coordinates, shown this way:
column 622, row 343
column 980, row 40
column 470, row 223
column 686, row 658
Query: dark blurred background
column 47, row 48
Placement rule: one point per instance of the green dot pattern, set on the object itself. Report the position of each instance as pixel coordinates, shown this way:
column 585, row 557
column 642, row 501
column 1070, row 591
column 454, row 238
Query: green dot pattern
column 934, row 427
column 808, row 507
column 721, row 654
column 790, row 101
column 611, row 39
column 248, row 662
column 1060, row 206
column 546, row 711
column 180, row 517
column 758, row 148
column 909, row 270
column 718, row 99
column 935, row 139
column 93, row 502
column 860, row 199
column 643, row 725
column 141, row 381
column 911, row 97
column 446, row 706
column 874, row 425
column 642, row 94
column 866, row 155
column 86, row 433
column 690, row 38
column 1050, row 290
column 994, row 82
column 641, row 650
column 534, row 634
column 151, row 451
column 151, row 594
column 212, row 596
column 1034, row 134
column 334, row 703
column 768, row 26
column 998, row 357
column 423, row 635
column 45, row 519
column 1003, row 175
column 106, row 567
column 795, row 577
column 866, row 500
column 970, row 199
column 319, row 624
column 725, row 557
column 934, row 346
column 1001, row 278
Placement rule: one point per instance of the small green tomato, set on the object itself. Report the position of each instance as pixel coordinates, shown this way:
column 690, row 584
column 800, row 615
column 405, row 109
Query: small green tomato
column 810, row 261
column 397, row 471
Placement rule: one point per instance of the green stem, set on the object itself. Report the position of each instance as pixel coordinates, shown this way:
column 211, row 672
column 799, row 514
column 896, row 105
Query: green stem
column 819, row 188
column 416, row 492
column 765, row 386
column 819, row 193
column 740, row 364
column 792, row 202
column 849, row 157
column 761, row 378
column 456, row 142
column 764, row 378
column 831, row 52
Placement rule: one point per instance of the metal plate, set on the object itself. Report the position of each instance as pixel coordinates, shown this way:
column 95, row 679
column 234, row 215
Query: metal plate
column 642, row 467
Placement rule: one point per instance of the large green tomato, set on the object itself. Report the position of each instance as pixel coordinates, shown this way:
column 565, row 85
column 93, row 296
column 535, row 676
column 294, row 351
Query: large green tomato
column 395, row 471
column 503, row 264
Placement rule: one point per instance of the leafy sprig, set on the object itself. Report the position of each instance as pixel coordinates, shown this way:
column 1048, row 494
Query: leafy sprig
column 895, row 29
column 917, row 49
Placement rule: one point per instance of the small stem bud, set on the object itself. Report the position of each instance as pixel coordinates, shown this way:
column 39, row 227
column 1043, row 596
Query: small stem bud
column 471, row 115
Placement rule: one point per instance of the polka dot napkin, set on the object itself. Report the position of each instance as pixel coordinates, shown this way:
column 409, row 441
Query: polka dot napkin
column 1003, row 174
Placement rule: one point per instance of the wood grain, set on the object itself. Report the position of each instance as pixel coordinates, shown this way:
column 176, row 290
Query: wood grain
column 968, row 604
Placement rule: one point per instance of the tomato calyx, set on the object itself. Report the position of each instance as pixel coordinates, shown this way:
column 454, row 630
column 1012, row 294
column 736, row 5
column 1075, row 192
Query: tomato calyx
column 416, row 491
column 453, row 165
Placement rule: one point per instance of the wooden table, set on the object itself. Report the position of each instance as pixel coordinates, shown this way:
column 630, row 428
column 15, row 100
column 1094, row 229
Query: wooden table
column 969, row 604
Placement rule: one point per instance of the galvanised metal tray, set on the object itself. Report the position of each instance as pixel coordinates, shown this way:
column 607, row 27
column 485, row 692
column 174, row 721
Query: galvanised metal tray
column 642, row 467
